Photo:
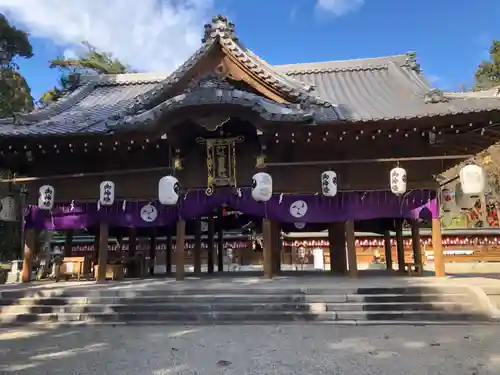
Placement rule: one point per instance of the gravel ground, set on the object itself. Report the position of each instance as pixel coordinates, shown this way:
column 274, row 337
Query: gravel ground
column 267, row 350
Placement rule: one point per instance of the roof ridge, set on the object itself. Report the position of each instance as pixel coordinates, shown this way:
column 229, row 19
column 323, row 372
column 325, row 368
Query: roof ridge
column 124, row 78
column 349, row 65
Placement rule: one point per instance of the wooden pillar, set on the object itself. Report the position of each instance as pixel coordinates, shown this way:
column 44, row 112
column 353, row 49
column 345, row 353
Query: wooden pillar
column 211, row 245
column 132, row 248
column 30, row 239
column 102, row 258
column 68, row 243
column 400, row 246
column 416, row 246
column 437, row 246
column 388, row 250
column 337, row 247
column 267, row 232
column 152, row 252
column 220, row 249
column 276, row 248
column 168, row 253
column 180, row 238
column 95, row 254
column 351, row 248
column 197, row 247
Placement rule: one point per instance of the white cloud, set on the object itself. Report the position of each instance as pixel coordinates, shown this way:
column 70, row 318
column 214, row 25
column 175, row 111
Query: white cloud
column 339, row 7
column 150, row 35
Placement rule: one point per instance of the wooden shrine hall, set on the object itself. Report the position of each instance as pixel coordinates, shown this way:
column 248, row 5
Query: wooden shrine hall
column 334, row 145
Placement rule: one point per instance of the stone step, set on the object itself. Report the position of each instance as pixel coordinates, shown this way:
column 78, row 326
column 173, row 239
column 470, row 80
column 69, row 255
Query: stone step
column 231, row 298
column 242, row 317
column 236, row 307
column 98, row 291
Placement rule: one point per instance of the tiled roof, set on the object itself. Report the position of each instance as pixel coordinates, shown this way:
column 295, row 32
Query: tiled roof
column 353, row 90
column 385, row 88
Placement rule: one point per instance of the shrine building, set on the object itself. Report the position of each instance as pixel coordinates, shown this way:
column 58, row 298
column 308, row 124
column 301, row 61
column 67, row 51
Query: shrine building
column 334, row 145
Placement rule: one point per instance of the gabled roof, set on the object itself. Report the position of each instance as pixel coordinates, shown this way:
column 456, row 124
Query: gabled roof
column 385, row 88
column 371, row 89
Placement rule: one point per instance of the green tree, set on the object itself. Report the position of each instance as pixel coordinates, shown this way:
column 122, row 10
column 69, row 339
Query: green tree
column 89, row 61
column 488, row 72
column 15, row 94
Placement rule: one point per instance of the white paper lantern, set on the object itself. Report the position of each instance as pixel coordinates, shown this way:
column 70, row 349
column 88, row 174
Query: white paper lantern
column 448, row 202
column 262, row 187
column 46, row 197
column 107, row 193
column 398, row 180
column 465, row 202
column 168, row 190
column 8, row 209
column 472, row 179
column 329, row 183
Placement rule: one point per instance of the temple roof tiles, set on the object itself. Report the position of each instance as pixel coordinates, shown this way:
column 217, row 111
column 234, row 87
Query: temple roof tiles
column 358, row 90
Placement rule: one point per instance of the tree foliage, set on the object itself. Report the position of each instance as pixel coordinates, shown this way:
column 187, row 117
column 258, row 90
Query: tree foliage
column 89, row 61
column 92, row 61
column 15, row 94
column 488, row 72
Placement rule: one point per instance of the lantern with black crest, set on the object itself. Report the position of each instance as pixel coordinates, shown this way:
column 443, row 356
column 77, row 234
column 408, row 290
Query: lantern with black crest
column 262, row 187
column 8, row 210
column 329, row 183
column 397, row 180
column 107, row 193
column 168, row 190
column 46, row 196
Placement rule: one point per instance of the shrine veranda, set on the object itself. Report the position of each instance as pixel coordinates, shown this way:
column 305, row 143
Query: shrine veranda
column 221, row 119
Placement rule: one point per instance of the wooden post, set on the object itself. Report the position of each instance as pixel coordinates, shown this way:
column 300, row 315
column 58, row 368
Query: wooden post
column 351, row 248
column 388, row 250
column 437, row 246
column 103, row 252
column 68, row 243
column 276, row 247
column 417, row 248
column 179, row 250
column 331, row 246
column 30, row 239
column 132, row 248
column 211, row 244
column 197, row 247
column 95, row 254
column 267, row 232
column 400, row 246
column 152, row 253
column 220, row 249
column 338, row 255
column 168, row 253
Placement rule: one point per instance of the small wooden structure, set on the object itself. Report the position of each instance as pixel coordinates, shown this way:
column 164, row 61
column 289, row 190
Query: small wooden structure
column 226, row 114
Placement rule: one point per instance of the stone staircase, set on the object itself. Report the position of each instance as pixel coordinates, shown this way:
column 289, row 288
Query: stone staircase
column 394, row 305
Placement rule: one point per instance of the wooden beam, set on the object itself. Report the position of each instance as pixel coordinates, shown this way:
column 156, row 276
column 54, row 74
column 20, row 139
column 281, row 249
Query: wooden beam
column 365, row 161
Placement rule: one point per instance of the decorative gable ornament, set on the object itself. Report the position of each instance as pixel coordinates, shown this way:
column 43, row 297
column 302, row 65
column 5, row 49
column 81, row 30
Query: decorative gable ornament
column 262, row 187
column 46, row 197
column 398, row 180
column 472, row 180
column 168, row 190
column 465, row 202
column 107, row 193
column 8, row 209
column 448, row 202
column 329, row 183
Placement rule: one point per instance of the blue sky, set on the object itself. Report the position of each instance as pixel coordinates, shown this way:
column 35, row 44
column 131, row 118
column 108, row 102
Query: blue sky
column 450, row 37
